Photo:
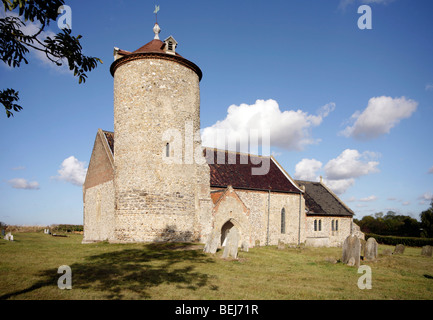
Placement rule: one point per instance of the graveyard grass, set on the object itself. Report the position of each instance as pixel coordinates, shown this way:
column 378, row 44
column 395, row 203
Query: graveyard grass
column 28, row 270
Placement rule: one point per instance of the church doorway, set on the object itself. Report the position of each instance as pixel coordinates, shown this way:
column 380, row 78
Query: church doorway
column 225, row 229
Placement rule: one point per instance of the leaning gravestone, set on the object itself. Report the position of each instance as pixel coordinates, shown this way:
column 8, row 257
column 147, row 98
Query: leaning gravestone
column 370, row 249
column 231, row 248
column 427, row 251
column 399, row 249
column 351, row 251
column 213, row 241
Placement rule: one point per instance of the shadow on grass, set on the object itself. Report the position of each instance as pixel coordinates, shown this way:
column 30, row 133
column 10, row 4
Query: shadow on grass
column 132, row 271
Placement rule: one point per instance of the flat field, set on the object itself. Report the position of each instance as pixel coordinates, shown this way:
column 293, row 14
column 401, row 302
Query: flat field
column 181, row 271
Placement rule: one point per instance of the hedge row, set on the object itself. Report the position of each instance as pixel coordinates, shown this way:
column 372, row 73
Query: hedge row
column 66, row 227
column 407, row 241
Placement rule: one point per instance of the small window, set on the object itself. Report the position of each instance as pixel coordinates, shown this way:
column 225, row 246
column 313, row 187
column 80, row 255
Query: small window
column 336, row 225
column 333, row 225
column 167, row 150
column 315, row 225
column 283, row 220
column 320, row 225
column 170, row 46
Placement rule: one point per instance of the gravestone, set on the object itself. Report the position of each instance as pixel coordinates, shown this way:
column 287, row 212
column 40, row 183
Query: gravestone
column 9, row 237
column 399, row 249
column 370, row 249
column 363, row 242
column 281, row 245
column 351, row 251
column 213, row 241
column 231, row 247
column 427, row 251
column 245, row 246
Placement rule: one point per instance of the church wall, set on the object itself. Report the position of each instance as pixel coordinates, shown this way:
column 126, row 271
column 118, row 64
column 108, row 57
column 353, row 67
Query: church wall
column 257, row 203
column 326, row 237
column 158, row 101
column 99, row 212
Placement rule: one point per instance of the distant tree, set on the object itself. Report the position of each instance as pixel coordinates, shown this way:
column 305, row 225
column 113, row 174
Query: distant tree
column 390, row 224
column 3, row 225
column 15, row 44
column 427, row 222
column 378, row 215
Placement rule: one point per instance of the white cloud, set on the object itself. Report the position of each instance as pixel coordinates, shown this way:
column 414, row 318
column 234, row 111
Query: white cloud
column 429, row 87
column 341, row 172
column 20, row 183
column 368, row 199
column 306, row 169
column 425, row 198
column 288, row 129
column 406, row 203
column 339, row 186
column 430, row 170
column 72, row 171
column 19, row 168
column 379, row 117
column 350, row 164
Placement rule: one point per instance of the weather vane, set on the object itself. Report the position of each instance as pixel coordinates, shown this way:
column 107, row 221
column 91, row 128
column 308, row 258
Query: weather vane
column 156, row 13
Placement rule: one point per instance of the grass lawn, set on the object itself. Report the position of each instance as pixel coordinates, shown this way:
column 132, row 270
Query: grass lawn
column 28, row 270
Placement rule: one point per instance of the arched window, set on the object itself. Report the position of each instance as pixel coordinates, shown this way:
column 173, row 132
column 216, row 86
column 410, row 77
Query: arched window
column 315, row 225
column 167, row 150
column 283, row 220
column 320, row 225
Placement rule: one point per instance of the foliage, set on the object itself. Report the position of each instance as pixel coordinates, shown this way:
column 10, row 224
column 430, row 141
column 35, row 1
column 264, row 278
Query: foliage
column 60, row 49
column 407, row 241
column 3, row 225
column 427, row 222
column 66, row 228
column 390, row 224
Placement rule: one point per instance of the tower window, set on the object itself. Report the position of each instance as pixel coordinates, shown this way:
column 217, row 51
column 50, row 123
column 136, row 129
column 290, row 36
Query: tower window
column 283, row 220
column 167, row 150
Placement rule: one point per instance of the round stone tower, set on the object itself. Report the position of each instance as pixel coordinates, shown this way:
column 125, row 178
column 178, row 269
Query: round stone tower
column 161, row 179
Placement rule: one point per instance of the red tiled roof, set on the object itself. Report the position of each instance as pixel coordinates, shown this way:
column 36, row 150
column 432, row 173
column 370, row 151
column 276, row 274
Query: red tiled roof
column 239, row 175
column 154, row 49
column 215, row 195
column 153, row 46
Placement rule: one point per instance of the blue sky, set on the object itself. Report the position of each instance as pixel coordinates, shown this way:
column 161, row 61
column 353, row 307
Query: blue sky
column 353, row 106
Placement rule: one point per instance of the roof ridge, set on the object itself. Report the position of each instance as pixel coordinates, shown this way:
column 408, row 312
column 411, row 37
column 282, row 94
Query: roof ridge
column 236, row 152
